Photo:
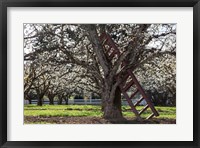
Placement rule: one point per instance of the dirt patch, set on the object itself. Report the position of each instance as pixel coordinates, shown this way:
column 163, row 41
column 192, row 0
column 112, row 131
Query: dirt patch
column 92, row 120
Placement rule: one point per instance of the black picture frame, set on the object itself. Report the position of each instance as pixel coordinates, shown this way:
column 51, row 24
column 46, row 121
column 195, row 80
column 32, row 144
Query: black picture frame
column 99, row 3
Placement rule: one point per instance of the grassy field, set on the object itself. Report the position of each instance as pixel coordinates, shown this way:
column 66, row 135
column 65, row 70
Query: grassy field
column 53, row 111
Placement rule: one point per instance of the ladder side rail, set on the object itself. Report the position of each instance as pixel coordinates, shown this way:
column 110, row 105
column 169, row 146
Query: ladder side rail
column 113, row 44
column 144, row 94
column 131, row 105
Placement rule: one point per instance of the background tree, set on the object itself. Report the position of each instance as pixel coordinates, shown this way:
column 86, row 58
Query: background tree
column 158, row 77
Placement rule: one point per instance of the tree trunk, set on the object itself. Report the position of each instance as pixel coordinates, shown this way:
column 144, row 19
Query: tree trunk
column 59, row 100
column 112, row 109
column 40, row 102
column 30, row 101
column 28, row 98
column 66, row 101
column 51, row 100
column 117, row 100
column 40, row 99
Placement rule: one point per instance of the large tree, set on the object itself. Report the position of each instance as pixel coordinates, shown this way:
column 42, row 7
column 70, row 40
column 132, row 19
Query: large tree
column 80, row 46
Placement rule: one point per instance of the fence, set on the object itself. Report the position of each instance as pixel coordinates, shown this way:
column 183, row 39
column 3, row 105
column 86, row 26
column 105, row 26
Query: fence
column 81, row 102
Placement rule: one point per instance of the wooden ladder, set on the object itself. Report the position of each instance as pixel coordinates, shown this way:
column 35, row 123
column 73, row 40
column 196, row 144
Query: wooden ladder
column 130, row 81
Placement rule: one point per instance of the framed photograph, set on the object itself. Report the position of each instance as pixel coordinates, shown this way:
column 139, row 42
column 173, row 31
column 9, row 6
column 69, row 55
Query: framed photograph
column 99, row 73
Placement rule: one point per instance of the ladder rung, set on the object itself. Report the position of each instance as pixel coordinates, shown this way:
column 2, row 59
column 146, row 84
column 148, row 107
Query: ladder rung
column 112, row 43
column 110, row 47
column 150, row 116
column 128, row 85
column 134, row 94
column 138, row 102
column 112, row 55
column 143, row 109
column 103, row 39
column 117, row 52
column 107, row 50
column 131, row 105
column 109, row 43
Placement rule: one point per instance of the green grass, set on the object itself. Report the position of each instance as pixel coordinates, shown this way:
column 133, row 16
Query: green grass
column 61, row 107
column 89, row 110
column 61, row 113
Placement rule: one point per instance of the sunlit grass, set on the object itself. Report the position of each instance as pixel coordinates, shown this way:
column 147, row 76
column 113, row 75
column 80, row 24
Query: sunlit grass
column 61, row 107
column 89, row 110
column 61, row 113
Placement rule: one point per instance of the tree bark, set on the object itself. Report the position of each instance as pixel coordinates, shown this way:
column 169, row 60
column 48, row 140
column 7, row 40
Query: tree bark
column 112, row 109
column 66, row 101
column 60, row 100
column 51, row 100
column 40, row 101
column 30, row 101
column 117, row 100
